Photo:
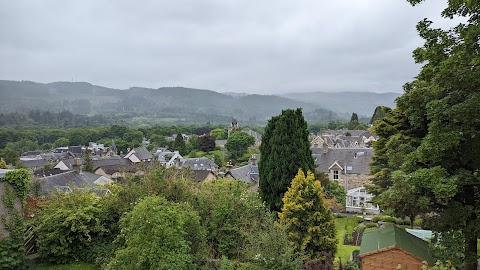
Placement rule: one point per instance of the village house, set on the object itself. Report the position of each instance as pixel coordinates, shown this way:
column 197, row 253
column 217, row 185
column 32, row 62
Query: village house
column 348, row 166
column 168, row 158
column 202, row 163
column 68, row 181
column 140, row 154
column 248, row 173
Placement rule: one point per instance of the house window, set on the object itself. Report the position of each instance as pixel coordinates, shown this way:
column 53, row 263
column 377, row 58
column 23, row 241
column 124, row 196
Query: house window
column 335, row 175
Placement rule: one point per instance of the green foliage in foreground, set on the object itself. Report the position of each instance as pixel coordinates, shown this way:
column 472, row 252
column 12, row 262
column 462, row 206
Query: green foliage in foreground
column 430, row 142
column 12, row 250
column 160, row 235
column 70, row 227
column 222, row 218
column 71, row 266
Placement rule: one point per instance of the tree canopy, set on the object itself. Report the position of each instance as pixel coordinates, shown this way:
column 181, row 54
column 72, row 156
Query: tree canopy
column 285, row 148
column 238, row 143
column 430, row 142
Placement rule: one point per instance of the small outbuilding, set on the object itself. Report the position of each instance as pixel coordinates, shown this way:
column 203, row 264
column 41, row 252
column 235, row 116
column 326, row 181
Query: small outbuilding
column 391, row 246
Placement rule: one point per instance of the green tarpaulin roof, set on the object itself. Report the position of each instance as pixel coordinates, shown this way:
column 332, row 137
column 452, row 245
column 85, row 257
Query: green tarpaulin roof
column 390, row 236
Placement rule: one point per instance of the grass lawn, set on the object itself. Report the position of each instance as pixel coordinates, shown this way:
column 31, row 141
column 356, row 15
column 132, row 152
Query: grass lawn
column 343, row 251
column 71, row 266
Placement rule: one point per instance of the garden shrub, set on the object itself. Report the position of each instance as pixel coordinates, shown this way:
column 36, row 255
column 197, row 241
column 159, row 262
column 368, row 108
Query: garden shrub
column 227, row 210
column 158, row 234
column 70, row 226
column 376, row 219
column 389, row 219
column 371, row 225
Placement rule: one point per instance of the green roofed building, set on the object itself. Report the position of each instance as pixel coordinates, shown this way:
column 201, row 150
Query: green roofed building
column 388, row 247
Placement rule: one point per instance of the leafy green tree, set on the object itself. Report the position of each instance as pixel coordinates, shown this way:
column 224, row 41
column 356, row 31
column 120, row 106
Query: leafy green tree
column 238, row 143
column 88, row 163
column 158, row 140
column 9, row 155
column 160, row 235
column 61, row 142
column 206, row 143
column 134, row 136
column 224, row 206
column 179, row 144
column 285, row 148
column 219, row 134
column 118, row 131
column 310, row 223
column 438, row 118
column 77, row 137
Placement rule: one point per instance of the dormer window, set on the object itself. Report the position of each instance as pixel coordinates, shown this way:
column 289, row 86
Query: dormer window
column 335, row 175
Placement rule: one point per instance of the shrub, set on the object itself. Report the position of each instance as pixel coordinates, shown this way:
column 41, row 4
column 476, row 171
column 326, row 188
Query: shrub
column 310, row 224
column 376, row 219
column 227, row 210
column 69, row 226
column 418, row 222
column 370, row 225
column 389, row 219
column 158, row 234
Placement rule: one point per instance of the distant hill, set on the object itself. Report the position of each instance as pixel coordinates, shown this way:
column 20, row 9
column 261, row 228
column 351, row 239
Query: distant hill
column 362, row 103
column 190, row 105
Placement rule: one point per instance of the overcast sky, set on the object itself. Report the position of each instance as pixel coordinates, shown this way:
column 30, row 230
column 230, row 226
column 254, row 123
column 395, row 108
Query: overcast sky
column 264, row 47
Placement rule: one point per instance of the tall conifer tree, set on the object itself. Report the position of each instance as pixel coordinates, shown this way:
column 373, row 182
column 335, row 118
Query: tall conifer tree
column 285, row 149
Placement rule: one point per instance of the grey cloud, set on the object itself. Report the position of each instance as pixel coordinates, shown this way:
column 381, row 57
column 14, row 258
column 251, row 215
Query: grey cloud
column 225, row 45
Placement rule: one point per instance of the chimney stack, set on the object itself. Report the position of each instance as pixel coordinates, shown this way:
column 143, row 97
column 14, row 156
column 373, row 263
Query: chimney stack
column 253, row 160
column 325, row 145
column 229, row 166
column 77, row 165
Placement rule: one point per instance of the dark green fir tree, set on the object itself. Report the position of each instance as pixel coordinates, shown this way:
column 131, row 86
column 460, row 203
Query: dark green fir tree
column 285, row 148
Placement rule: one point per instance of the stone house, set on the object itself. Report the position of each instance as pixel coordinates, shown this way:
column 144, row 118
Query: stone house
column 138, row 155
column 348, row 166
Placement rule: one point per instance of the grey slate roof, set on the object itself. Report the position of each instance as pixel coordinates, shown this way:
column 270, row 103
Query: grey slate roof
column 48, row 172
column 200, row 175
column 356, row 158
column 247, row 173
column 68, row 181
column 97, row 163
column 142, row 153
column 352, row 132
column 31, row 153
column 34, row 163
column 199, row 164
column 54, row 156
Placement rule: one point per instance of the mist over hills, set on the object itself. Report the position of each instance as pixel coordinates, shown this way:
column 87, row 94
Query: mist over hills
column 180, row 104
column 362, row 103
